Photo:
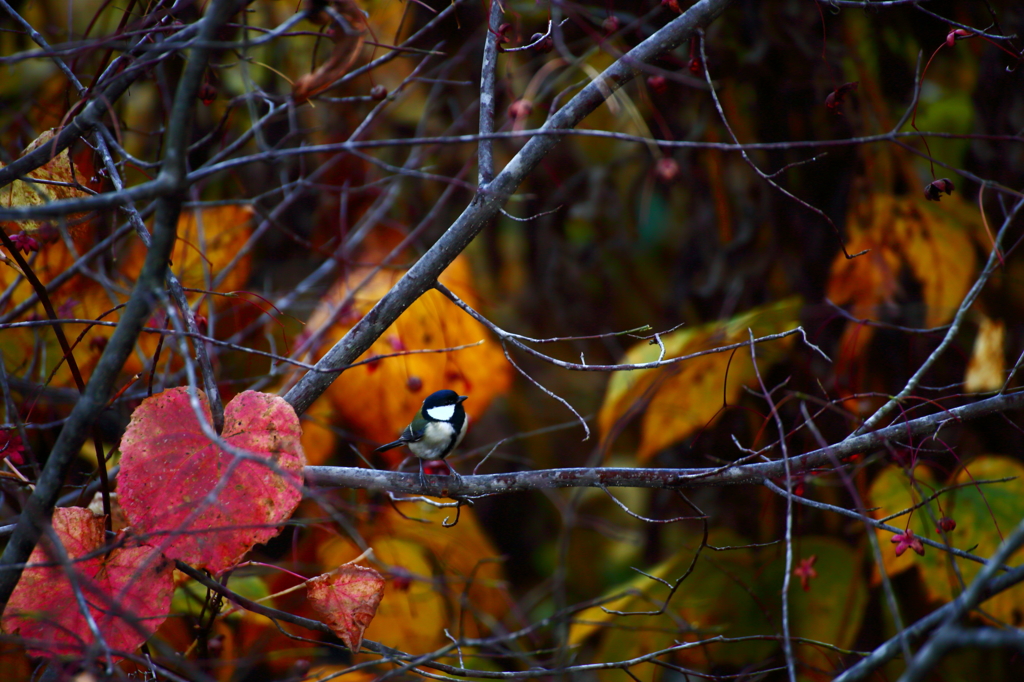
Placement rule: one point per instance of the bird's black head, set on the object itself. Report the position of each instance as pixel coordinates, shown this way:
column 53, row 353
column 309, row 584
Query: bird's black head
column 444, row 406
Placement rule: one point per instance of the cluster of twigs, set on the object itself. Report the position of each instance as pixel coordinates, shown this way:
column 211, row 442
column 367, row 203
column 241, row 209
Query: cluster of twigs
column 161, row 38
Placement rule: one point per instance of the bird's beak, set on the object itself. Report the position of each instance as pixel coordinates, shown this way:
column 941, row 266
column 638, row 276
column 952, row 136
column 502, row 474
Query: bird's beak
column 461, row 398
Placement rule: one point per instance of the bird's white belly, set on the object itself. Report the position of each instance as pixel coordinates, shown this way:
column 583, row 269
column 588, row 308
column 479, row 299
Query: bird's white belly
column 436, row 437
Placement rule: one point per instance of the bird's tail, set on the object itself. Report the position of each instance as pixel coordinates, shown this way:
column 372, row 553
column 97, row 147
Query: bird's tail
column 390, row 446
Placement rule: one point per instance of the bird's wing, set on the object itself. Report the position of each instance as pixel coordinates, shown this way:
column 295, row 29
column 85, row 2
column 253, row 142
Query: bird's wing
column 408, row 436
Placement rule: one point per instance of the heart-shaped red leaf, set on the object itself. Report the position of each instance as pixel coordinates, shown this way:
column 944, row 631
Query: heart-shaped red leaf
column 128, row 592
column 347, row 598
column 211, row 506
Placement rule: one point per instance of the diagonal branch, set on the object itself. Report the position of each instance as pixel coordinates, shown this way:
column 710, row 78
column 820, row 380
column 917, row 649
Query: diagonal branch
column 39, row 506
column 489, row 201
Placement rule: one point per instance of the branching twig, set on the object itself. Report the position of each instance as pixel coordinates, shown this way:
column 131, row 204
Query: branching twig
column 426, row 271
column 39, row 506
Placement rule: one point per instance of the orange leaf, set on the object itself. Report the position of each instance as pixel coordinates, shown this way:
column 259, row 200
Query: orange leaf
column 904, row 234
column 347, row 598
column 217, row 231
column 380, row 398
column 318, row 440
column 208, row 241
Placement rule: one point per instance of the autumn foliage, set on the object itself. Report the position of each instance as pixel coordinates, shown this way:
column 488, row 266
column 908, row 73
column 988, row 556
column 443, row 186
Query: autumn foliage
column 733, row 289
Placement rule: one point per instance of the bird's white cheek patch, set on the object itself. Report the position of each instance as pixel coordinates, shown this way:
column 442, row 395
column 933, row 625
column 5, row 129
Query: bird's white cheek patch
column 442, row 413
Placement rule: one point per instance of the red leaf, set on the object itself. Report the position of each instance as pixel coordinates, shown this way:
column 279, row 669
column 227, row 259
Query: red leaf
column 211, row 507
column 347, row 598
column 133, row 583
column 11, row 447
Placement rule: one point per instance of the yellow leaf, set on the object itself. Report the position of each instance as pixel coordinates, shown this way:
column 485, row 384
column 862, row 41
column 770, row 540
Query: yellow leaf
column 637, row 594
column 411, row 616
column 465, row 556
column 986, row 370
column 683, row 397
column 20, row 193
column 437, row 577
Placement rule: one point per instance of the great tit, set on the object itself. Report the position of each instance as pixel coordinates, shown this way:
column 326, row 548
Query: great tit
column 436, row 430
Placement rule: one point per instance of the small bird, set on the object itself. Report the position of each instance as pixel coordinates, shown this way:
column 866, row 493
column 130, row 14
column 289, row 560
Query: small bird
column 436, row 430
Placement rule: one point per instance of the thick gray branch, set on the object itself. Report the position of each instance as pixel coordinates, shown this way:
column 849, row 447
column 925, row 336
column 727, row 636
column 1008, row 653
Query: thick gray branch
column 470, row 486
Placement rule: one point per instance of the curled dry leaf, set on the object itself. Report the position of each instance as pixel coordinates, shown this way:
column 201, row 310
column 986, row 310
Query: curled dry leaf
column 835, row 100
column 348, row 35
column 128, row 591
column 207, row 507
column 933, row 190
column 19, row 193
column 347, row 598
column 986, row 370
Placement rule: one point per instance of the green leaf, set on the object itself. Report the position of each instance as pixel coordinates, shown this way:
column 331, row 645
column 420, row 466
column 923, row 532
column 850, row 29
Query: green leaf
column 984, row 511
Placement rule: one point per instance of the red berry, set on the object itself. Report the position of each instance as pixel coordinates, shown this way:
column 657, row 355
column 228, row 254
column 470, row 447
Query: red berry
column 666, row 169
column 401, row 581
column 520, row 109
column 207, row 93
column 658, row 84
column 933, row 190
